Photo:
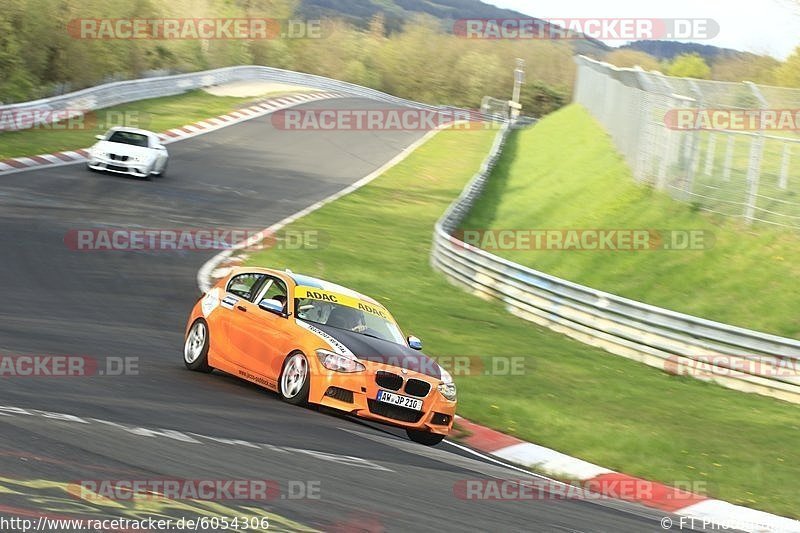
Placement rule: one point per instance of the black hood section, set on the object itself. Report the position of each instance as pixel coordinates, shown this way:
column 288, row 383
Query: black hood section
column 385, row 352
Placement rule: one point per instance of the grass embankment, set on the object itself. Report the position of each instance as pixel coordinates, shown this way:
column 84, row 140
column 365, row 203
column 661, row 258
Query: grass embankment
column 565, row 174
column 154, row 114
column 571, row 397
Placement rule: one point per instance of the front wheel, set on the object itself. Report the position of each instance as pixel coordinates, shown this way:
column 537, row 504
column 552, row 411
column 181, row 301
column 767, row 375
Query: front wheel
column 424, row 437
column 195, row 349
column 294, row 380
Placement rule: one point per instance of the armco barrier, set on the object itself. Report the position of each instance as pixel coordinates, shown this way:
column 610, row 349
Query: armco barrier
column 682, row 344
column 122, row 92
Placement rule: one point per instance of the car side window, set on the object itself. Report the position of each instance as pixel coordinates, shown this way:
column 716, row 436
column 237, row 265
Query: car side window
column 244, row 285
column 274, row 289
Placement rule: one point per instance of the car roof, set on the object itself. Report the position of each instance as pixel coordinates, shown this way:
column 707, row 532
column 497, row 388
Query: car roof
column 132, row 130
column 311, row 281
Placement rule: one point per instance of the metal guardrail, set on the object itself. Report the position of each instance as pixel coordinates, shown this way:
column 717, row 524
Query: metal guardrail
column 681, row 344
column 121, row 92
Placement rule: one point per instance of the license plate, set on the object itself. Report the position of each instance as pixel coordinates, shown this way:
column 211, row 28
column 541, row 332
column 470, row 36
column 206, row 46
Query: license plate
column 399, row 400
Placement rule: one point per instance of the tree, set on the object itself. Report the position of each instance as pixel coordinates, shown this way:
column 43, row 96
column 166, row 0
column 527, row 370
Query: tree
column 788, row 74
column 749, row 67
column 689, row 66
column 623, row 57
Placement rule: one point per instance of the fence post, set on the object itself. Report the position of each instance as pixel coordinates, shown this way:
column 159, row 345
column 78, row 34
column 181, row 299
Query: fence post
column 754, row 164
column 783, row 183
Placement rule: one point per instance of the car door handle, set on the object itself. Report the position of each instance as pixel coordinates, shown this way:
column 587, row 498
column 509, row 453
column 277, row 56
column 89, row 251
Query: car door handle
column 241, row 308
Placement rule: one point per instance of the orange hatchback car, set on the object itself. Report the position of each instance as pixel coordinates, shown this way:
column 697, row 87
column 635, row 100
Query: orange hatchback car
column 316, row 342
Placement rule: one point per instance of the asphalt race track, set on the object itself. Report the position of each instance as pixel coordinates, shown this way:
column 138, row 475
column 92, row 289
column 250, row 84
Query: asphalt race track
column 134, row 304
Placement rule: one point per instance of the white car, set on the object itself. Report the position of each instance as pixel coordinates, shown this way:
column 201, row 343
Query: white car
column 129, row 151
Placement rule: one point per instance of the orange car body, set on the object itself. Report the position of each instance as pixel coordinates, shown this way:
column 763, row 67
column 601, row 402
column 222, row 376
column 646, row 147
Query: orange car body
column 252, row 343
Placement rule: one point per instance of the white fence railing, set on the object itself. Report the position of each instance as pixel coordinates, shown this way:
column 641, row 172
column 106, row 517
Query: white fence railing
column 681, row 344
column 121, row 92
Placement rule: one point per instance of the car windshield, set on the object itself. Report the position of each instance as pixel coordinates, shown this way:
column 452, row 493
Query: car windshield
column 128, row 137
column 363, row 321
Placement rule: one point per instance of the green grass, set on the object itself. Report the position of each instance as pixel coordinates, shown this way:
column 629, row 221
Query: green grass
column 564, row 173
column 155, row 114
column 571, row 397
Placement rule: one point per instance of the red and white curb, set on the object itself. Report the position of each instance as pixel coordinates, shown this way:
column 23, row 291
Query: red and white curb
column 265, row 107
column 701, row 509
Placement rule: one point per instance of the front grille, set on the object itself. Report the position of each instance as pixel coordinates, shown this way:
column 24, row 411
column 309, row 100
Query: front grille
column 417, row 387
column 117, row 168
column 117, row 157
column 394, row 412
column 387, row 380
column 440, row 419
column 343, row 395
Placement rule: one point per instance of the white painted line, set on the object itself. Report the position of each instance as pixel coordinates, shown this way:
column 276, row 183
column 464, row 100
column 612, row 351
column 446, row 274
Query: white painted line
column 204, row 274
column 192, row 438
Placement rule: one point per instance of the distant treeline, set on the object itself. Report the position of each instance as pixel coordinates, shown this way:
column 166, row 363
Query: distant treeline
column 39, row 57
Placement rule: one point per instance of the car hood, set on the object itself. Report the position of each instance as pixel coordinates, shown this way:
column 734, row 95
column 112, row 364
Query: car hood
column 124, row 149
column 385, row 352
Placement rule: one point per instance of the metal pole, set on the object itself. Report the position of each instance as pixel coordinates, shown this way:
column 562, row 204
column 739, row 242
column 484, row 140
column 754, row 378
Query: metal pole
column 519, row 79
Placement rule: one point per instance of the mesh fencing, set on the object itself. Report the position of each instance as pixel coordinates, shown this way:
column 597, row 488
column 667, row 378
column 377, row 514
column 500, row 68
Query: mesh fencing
column 728, row 148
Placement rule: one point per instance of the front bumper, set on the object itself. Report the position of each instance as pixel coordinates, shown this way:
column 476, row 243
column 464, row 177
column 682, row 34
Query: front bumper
column 131, row 168
column 356, row 394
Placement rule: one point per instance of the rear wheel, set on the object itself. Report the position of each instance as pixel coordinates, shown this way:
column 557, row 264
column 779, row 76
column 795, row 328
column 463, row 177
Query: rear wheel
column 195, row 349
column 294, row 381
column 424, row 437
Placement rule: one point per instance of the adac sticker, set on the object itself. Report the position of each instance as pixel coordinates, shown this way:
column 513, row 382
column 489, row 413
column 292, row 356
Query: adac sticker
column 342, row 299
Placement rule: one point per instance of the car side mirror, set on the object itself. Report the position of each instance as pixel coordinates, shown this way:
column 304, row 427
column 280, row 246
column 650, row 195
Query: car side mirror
column 414, row 343
column 271, row 305
column 99, row 137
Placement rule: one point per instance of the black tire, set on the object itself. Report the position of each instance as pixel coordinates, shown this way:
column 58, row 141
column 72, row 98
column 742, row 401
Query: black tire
column 193, row 360
column 292, row 391
column 424, row 437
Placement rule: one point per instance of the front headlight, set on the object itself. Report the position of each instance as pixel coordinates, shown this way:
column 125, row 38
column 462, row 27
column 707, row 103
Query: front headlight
column 447, row 387
column 338, row 362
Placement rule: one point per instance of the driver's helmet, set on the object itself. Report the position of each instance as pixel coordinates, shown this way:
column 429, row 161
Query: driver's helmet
column 344, row 318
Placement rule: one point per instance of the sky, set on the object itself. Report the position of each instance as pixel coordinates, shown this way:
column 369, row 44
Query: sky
column 761, row 26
